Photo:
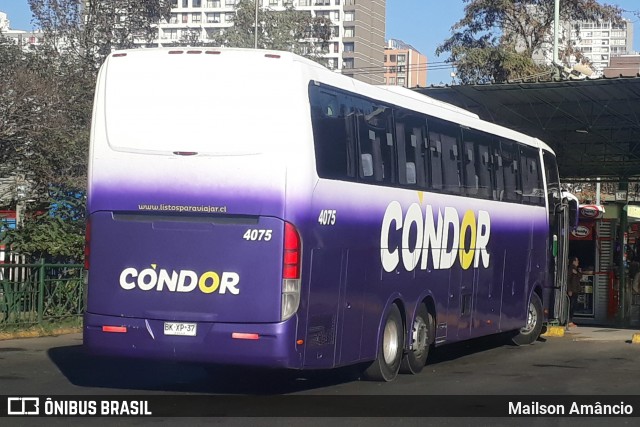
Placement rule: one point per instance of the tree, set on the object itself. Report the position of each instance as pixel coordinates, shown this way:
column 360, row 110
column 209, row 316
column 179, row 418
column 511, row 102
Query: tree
column 496, row 39
column 46, row 98
column 289, row 30
column 91, row 29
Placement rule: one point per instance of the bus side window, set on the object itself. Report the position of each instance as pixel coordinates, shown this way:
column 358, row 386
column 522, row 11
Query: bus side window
column 470, row 175
column 478, row 164
column 445, row 136
column 376, row 139
column 510, row 171
column 410, row 155
column 498, row 189
column 435, row 157
column 334, row 146
column 532, row 188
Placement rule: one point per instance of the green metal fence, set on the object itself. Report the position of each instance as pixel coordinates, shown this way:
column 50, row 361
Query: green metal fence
column 34, row 294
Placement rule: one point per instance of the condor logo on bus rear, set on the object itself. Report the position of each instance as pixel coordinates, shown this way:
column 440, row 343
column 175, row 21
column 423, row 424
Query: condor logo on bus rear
column 179, row 281
column 448, row 240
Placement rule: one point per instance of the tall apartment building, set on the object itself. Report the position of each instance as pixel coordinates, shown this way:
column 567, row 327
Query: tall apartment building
column 4, row 22
column 404, row 65
column 600, row 41
column 22, row 38
column 355, row 48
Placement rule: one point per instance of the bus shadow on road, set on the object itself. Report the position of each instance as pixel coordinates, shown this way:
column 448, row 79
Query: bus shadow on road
column 85, row 370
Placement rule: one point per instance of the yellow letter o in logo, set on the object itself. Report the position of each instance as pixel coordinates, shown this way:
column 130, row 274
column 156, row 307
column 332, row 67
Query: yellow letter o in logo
column 215, row 282
column 468, row 223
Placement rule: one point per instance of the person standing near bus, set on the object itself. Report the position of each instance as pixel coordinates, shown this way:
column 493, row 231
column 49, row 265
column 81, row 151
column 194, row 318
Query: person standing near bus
column 573, row 287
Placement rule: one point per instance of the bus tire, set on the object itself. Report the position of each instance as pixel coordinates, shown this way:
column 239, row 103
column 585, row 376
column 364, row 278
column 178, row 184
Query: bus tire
column 414, row 360
column 531, row 331
column 390, row 348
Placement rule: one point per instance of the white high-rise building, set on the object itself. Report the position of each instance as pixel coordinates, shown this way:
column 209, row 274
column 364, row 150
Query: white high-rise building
column 599, row 41
column 4, row 22
column 356, row 47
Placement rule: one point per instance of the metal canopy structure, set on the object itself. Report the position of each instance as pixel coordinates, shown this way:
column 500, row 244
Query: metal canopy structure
column 592, row 125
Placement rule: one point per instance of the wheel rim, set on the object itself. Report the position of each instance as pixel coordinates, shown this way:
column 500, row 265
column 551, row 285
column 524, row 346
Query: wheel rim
column 420, row 337
column 390, row 342
column 532, row 319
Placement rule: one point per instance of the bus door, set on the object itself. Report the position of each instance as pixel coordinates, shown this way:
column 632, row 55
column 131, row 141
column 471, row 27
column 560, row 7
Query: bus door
column 322, row 317
column 488, row 297
column 466, row 302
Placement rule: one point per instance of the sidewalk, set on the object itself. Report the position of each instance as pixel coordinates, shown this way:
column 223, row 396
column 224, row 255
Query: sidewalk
column 596, row 333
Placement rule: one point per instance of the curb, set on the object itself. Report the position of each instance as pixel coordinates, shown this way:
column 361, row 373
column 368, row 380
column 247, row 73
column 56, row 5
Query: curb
column 38, row 333
column 557, row 331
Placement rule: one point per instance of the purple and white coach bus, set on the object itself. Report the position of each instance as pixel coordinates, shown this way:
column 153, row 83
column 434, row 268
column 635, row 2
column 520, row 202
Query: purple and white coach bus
column 252, row 207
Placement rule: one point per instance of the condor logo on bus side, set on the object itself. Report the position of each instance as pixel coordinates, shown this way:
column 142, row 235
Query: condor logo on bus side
column 446, row 240
column 179, row 281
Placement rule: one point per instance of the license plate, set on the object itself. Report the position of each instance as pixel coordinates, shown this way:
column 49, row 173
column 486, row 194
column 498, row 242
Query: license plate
column 180, row 328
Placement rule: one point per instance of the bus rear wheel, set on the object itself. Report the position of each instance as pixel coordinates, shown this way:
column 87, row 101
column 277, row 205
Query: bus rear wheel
column 416, row 358
column 390, row 348
column 531, row 331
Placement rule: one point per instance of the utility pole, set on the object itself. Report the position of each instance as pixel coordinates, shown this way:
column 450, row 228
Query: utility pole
column 556, row 37
column 255, row 44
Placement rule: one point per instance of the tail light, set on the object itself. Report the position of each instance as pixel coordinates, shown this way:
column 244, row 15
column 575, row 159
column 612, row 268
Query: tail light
column 291, row 271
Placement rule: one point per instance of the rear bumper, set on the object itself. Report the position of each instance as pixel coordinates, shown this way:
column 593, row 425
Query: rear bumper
column 213, row 343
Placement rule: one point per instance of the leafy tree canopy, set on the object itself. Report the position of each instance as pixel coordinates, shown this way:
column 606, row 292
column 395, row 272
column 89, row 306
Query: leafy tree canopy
column 496, row 39
column 290, row 30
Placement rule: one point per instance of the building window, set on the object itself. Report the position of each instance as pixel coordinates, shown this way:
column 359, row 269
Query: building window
column 196, row 3
column 336, row 15
column 230, row 2
column 335, row 31
column 336, row 48
column 213, row 18
column 185, row 3
column 228, row 17
column 348, row 63
column 273, row 2
column 349, row 32
column 402, row 59
column 196, row 17
column 170, row 33
column 174, row 18
column 337, row 2
column 185, row 18
column 392, row 80
column 349, row 16
column 401, row 81
column 349, row 47
column 392, row 58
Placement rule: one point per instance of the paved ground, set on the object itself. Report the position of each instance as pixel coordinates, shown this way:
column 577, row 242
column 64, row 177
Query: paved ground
column 585, row 361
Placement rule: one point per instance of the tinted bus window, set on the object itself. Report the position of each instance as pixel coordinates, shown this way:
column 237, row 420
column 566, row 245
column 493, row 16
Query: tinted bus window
column 477, row 164
column 531, row 173
column 412, row 158
column 332, row 133
column 507, row 171
column 446, row 160
column 553, row 179
column 375, row 142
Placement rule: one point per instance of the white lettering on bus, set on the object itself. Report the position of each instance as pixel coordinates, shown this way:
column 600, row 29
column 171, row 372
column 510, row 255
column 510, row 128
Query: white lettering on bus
column 444, row 240
column 179, row 281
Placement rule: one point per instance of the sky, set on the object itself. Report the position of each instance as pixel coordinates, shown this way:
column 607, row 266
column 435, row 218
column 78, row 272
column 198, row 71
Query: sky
column 424, row 24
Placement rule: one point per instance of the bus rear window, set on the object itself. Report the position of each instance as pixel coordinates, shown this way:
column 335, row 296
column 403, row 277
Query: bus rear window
column 160, row 103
